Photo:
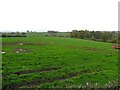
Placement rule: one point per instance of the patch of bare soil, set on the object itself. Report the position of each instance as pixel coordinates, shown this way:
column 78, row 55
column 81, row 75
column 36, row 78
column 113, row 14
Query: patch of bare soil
column 15, row 86
column 38, row 43
column 93, row 49
column 69, row 75
column 37, row 70
column 40, row 81
column 10, row 43
column 27, row 43
column 72, row 47
column 98, row 50
column 20, row 50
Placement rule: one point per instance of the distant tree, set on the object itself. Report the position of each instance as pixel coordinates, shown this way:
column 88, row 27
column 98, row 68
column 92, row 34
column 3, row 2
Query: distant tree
column 4, row 35
column 23, row 34
column 82, row 34
column 17, row 32
column 27, row 30
column 74, row 34
column 118, row 37
column 114, row 40
column 52, row 31
column 96, row 35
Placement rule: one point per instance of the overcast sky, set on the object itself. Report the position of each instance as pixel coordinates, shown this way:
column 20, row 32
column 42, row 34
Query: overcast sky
column 58, row 15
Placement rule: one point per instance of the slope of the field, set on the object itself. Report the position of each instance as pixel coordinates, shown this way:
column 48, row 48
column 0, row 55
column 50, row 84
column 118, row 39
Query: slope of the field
column 45, row 62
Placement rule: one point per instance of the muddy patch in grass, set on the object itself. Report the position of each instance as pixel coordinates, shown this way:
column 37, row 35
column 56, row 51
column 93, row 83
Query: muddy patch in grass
column 99, row 50
column 21, row 50
column 26, row 43
column 12, row 43
column 36, row 82
column 93, row 49
column 37, row 70
column 49, row 80
column 38, row 43
column 9, row 43
column 72, row 47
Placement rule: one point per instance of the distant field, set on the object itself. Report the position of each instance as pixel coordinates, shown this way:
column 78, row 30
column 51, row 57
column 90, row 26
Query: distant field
column 58, row 34
column 56, row 62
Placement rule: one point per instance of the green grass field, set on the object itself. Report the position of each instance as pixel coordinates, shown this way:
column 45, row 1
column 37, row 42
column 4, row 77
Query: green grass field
column 54, row 62
column 58, row 34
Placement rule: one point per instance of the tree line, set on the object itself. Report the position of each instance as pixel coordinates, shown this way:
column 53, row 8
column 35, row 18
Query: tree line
column 14, row 34
column 105, row 36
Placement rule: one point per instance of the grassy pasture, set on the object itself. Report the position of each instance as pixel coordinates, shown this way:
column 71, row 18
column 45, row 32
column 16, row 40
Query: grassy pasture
column 58, row 34
column 54, row 62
